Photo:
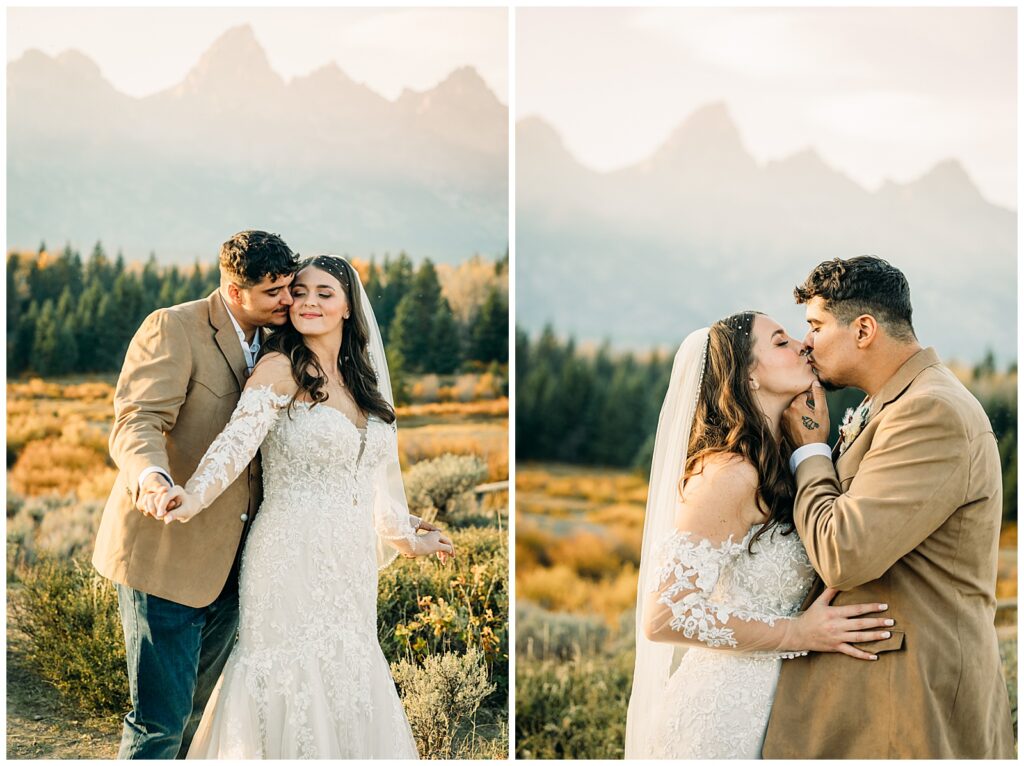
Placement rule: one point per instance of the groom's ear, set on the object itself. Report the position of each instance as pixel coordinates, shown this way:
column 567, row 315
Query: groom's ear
column 865, row 328
column 233, row 292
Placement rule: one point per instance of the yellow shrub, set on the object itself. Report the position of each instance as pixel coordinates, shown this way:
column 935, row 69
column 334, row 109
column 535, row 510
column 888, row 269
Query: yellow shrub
column 491, row 408
column 80, row 432
column 559, row 589
column 53, row 466
column 97, row 485
column 426, row 389
column 618, row 514
column 594, row 484
column 588, row 554
column 488, row 441
column 91, row 390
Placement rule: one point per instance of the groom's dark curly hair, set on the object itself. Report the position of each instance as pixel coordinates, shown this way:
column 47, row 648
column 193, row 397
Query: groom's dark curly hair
column 862, row 285
column 729, row 420
column 251, row 255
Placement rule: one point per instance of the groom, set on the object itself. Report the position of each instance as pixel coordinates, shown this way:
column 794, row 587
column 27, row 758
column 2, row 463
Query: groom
column 908, row 516
column 177, row 585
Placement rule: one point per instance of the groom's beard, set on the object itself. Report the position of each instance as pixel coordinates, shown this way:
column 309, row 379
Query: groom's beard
column 828, row 385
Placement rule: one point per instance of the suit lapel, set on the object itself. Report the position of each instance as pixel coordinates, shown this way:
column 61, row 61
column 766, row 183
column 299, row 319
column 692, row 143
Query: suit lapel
column 904, row 376
column 890, row 391
column 226, row 337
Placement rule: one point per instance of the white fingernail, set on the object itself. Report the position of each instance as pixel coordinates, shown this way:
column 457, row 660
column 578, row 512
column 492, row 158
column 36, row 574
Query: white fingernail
column 890, row 622
column 886, row 634
column 883, row 606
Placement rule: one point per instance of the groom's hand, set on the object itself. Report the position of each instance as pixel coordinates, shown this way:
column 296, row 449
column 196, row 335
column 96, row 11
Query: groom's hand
column 154, row 485
column 805, row 421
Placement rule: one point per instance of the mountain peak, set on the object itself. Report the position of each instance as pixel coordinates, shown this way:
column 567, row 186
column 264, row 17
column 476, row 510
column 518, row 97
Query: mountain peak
column 464, row 77
column 234, row 61
column 240, row 40
column 947, row 171
column 708, row 133
column 947, row 179
column 711, row 125
column 75, row 59
column 70, row 62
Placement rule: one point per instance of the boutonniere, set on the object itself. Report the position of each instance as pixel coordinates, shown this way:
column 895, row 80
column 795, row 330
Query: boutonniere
column 853, row 423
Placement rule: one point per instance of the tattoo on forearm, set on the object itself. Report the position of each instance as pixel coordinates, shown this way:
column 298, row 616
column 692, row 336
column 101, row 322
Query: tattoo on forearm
column 809, row 424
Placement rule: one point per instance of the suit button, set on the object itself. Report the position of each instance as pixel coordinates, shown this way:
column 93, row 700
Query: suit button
column 244, row 517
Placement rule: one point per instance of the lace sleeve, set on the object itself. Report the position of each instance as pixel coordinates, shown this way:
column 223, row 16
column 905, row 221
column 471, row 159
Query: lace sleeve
column 682, row 606
column 394, row 524
column 235, row 447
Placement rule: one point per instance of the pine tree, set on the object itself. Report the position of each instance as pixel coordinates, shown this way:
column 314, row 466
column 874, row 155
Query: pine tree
column 407, row 337
column 399, row 380
column 151, row 281
column 412, row 329
column 24, row 339
column 374, row 287
column 50, row 345
column 196, row 283
column 397, row 278
column 15, row 303
column 446, row 349
column 490, row 330
column 169, row 288
column 87, row 315
column 68, row 343
column 98, row 266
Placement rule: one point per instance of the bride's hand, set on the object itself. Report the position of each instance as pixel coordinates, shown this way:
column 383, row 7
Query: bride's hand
column 177, row 505
column 436, row 542
column 824, row 628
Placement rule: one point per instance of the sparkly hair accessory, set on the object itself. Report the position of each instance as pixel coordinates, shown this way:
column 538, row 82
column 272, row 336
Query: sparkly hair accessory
column 740, row 323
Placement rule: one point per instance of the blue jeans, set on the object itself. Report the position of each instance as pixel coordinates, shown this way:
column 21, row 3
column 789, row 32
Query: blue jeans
column 175, row 656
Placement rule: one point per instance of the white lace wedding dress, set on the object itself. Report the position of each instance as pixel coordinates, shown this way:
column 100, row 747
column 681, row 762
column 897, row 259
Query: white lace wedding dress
column 717, row 702
column 307, row 678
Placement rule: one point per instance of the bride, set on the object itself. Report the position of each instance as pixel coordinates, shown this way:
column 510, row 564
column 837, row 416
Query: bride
column 722, row 571
column 307, row 678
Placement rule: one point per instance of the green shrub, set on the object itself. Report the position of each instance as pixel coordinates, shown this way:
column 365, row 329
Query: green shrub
column 437, row 485
column 49, row 525
column 426, row 608
column 69, row 616
column 440, row 695
column 541, row 634
column 575, row 709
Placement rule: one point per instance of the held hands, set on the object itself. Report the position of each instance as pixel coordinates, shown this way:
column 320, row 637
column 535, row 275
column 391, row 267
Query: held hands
column 175, row 504
column 805, row 421
column 824, row 628
column 151, row 489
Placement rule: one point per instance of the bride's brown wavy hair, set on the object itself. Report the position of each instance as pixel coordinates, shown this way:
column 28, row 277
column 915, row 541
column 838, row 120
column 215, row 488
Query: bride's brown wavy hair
column 353, row 358
column 729, row 420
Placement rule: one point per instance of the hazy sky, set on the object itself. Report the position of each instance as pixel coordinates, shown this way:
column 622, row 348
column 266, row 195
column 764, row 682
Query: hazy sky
column 880, row 93
column 143, row 50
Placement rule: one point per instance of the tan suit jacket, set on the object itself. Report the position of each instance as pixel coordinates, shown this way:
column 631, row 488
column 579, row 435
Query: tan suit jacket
column 181, row 379
column 909, row 516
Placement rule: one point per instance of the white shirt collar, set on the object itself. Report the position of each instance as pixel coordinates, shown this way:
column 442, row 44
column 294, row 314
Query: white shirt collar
column 250, row 350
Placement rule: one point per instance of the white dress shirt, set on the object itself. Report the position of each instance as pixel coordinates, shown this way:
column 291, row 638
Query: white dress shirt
column 800, row 454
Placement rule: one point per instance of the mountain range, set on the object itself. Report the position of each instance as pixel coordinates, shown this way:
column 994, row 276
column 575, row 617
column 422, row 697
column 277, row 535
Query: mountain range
column 321, row 159
column 642, row 255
